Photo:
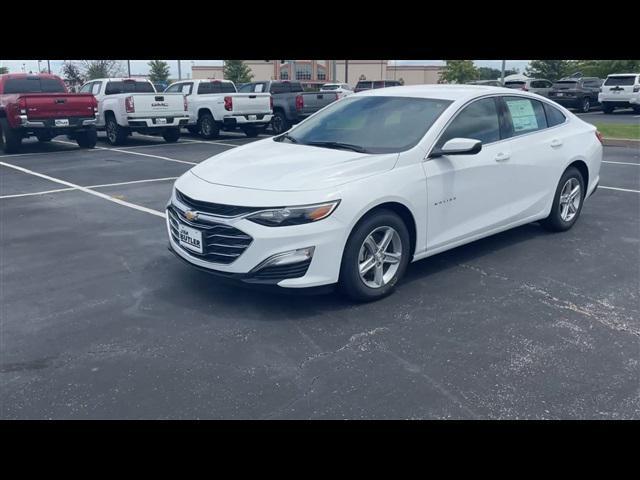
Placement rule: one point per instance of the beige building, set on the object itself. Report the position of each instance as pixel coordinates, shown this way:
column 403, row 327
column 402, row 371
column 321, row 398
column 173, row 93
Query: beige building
column 317, row 72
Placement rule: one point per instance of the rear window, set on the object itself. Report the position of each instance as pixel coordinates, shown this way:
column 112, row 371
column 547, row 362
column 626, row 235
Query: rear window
column 514, row 84
column 215, row 87
column 280, row 87
column 363, row 85
column 33, row 85
column 378, row 84
column 621, row 81
column 566, row 84
column 296, row 87
column 113, row 88
column 330, row 87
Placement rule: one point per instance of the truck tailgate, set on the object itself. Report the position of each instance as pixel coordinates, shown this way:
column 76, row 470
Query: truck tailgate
column 158, row 104
column 58, row 105
column 314, row 101
column 251, row 103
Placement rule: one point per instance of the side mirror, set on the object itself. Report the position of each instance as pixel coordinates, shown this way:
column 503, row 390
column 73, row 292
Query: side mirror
column 458, row 146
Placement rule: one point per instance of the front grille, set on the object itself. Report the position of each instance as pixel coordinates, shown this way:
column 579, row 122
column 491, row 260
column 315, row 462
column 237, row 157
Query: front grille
column 221, row 243
column 218, row 209
column 280, row 272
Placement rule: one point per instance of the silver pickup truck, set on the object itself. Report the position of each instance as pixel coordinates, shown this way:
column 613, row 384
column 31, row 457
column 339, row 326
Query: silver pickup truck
column 291, row 104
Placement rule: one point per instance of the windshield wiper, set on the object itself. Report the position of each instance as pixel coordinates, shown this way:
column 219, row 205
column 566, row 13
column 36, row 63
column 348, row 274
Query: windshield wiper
column 339, row 145
column 288, row 137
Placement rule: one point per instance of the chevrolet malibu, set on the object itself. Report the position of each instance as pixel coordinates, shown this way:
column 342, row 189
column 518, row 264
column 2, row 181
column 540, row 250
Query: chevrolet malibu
column 382, row 178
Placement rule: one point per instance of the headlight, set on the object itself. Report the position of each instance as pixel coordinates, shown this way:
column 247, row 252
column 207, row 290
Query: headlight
column 282, row 217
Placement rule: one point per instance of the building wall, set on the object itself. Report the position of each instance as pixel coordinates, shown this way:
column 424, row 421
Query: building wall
column 415, row 75
column 371, row 69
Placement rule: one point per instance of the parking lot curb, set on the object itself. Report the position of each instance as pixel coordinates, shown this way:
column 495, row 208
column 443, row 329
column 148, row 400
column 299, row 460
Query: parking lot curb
column 621, row 142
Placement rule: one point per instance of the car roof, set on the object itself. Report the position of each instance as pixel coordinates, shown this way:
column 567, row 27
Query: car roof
column 118, row 79
column 622, row 74
column 443, row 92
column 29, row 75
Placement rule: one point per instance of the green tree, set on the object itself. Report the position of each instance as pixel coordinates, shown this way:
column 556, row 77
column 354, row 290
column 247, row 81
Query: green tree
column 71, row 73
column 159, row 71
column 3, row 70
column 602, row 68
column 459, row 71
column 237, row 71
column 487, row 73
column 550, row 69
column 101, row 68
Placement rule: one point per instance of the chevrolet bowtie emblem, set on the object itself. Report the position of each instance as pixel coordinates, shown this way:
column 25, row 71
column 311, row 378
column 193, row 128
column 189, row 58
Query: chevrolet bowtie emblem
column 190, row 215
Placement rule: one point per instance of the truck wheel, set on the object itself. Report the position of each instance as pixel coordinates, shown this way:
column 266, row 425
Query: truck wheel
column 87, row 139
column 171, row 135
column 208, row 126
column 10, row 140
column 607, row 107
column 44, row 137
column 116, row 135
column 279, row 123
column 250, row 131
column 193, row 129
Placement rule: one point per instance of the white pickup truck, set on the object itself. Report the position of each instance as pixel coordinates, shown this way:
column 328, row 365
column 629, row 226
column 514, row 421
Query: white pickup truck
column 216, row 104
column 127, row 105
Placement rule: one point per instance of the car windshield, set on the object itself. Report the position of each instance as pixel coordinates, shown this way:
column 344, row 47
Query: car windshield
column 371, row 124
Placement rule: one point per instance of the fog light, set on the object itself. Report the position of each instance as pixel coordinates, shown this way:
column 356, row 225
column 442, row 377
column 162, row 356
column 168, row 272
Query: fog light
column 287, row 258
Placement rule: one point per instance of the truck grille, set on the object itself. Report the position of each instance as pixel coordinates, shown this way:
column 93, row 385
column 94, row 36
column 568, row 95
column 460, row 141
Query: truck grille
column 221, row 243
column 217, row 209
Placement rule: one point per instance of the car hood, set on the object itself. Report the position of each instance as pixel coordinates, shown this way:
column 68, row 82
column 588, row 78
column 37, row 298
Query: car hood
column 276, row 166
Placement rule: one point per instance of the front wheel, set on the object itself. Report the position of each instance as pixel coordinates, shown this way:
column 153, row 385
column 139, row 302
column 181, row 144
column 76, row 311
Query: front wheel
column 567, row 202
column 87, row 139
column 10, row 140
column 375, row 257
column 171, row 135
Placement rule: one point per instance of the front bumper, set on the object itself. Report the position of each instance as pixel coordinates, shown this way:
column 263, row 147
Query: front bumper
column 326, row 236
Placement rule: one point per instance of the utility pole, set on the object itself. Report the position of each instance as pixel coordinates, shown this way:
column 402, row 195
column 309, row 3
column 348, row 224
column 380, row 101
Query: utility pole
column 39, row 69
column 49, row 66
column 346, row 71
column 335, row 71
column 179, row 71
column 502, row 74
column 129, row 68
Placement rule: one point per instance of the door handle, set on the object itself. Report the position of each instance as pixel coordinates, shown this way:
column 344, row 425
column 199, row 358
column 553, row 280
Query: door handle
column 555, row 143
column 502, row 157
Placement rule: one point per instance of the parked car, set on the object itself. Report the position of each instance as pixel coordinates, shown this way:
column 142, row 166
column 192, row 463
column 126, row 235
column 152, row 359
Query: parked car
column 576, row 92
column 620, row 90
column 342, row 89
column 291, row 104
column 127, row 105
column 380, row 179
column 373, row 84
column 533, row 85
column 215, row 104
column 41, row 106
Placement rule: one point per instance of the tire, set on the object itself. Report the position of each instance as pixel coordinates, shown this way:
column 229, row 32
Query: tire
column 44, row 137
column 359, row 249
column 560, row 220
column 193, row 129
column 585, row 105
column 607, row 108
column 279, row 123
column 208, row 127
column 87, row 138
column 171, row 135
column 10, row 140
column 116, row 135
column 250, row 131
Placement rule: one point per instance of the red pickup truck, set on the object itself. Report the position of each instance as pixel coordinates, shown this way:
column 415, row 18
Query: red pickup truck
column 40, row 105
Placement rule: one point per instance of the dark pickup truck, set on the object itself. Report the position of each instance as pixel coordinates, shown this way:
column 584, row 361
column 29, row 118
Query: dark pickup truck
column 41, row 106
column 291, row 104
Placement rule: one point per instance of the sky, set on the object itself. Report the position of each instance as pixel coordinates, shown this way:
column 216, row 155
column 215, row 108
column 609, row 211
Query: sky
column 140, row 67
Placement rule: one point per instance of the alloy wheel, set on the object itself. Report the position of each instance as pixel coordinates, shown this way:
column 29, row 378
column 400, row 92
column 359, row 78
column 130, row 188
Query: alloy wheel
column 379, row 257
column 570, row 199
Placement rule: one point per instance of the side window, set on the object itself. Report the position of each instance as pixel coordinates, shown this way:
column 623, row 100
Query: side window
column 478, row 120
column 87, row 88
column 186, row 89
column 205, row 88
column 259, row 88
column 175, row 88
column 95, row 89
column 554, row 116
column 524, row 115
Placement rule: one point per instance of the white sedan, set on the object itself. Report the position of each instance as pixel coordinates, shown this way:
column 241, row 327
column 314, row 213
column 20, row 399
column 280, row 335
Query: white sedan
column 342, row 89
column 382, row 178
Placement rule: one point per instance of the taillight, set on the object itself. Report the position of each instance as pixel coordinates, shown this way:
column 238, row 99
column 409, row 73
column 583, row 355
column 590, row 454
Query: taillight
column 599, row 135
column 228, row 103
column 636, row 89
column 184, row 99
column 299, row 102
column 129, row 105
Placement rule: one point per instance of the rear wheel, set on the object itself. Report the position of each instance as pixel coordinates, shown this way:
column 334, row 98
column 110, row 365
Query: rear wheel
column 208, row 126
column 375, row 257
column 607, row 108
column 250, row 131
column 279, row 123
column 586, row 105
column 171, row 135
column 44, row 137
column 116, row 135
column 567, row 202
column 87, row 138
column 10, row 140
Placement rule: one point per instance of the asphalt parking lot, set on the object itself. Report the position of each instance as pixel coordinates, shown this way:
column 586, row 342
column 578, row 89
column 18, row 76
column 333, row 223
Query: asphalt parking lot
column 625, row 116
column 100, row 320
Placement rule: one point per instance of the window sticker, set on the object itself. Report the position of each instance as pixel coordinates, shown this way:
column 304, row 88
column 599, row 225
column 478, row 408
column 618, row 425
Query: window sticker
column 522, row 115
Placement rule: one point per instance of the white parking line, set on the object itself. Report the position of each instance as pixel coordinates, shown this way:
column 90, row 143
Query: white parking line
column 622, row 163
column 620, row 189
column 87, row 190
